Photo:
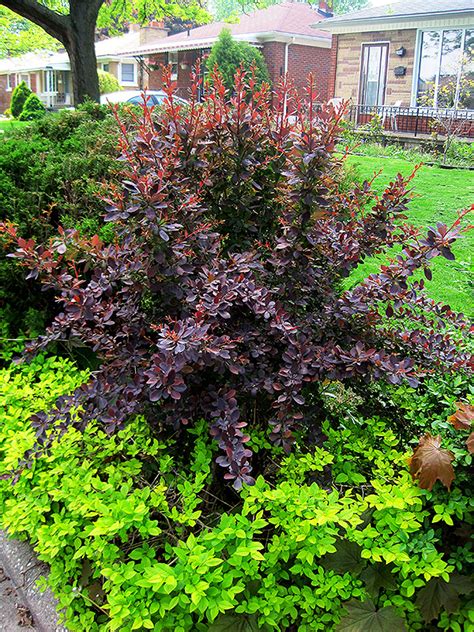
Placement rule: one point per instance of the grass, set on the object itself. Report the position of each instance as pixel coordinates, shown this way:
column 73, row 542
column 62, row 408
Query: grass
column 440, row 193
column 7, row 125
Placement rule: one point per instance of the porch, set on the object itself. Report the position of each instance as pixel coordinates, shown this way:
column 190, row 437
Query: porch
column 415, row 121
column 55, row 88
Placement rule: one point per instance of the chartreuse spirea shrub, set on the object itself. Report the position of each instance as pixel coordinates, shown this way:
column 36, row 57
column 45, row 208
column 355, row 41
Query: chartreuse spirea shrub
column 221, row 296
column 140, row 534
column 108, row 82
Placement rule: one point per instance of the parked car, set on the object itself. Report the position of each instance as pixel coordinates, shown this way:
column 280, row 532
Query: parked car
column 155, row 97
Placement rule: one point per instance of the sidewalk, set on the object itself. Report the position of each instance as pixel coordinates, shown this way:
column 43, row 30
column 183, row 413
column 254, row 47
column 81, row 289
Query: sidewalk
column 23, row 608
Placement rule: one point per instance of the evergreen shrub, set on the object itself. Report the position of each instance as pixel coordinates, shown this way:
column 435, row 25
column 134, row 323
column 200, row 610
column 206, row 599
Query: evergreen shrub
column 20, row 94
column 33, row 109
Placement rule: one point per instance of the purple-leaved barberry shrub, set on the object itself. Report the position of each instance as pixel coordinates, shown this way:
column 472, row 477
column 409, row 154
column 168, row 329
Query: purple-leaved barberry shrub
column 221, row 297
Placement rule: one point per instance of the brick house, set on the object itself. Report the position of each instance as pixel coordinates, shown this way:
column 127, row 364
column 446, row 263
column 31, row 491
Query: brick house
column 282, row 32
column 49, row 73
column 408, row 61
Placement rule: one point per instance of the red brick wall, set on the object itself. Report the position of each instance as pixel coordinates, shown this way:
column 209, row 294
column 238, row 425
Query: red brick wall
column 274, row 53
column 5, row 95
column 301, row 61
column 184, row 75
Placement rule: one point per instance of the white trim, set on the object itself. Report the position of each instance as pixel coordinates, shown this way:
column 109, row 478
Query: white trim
column 175, row 62
column 458, row 80
column 362, row 44
column 128, row 63
column 252, row 38
column 417, row 61
column 19, row 78
column 416, row 68
column 401, row 24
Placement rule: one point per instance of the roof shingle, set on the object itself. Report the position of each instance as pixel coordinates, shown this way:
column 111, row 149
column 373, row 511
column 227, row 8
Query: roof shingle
column 293, row 18
column 402, row 9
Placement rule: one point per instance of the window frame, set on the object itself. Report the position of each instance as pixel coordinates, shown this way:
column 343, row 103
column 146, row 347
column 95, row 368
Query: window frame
column 10, row 87
column 19, row 78
column 417, row 63
column 134, row 66
column 386, row 43
column 173, row 63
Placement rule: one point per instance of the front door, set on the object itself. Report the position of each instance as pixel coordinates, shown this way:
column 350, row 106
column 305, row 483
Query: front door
column 373, row 74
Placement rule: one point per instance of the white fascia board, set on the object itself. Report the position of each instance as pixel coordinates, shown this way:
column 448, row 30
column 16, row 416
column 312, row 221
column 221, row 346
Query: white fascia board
column 302, row 40
column 400, row 23
column 251, row 38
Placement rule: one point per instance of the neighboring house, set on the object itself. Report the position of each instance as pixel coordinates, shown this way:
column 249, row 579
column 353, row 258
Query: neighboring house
column 49, row 74
column 416, row 55
column 282, row 32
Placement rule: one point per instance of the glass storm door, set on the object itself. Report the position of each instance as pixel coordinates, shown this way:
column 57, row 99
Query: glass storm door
column 373, row 74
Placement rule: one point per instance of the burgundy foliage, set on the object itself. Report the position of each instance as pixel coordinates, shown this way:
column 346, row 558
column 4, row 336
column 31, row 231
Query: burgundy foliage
column 221, row 297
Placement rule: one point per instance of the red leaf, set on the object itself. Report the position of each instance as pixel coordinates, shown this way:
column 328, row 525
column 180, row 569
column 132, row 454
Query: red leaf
column 430, row 463
column 470, row 443
column 463, row 417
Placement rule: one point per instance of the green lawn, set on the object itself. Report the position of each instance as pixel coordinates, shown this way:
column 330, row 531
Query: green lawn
column 440, row 193
column 9, row 124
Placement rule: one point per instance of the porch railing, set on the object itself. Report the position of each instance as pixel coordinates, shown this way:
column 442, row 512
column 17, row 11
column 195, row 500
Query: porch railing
column 415, row 121
column 55, row 100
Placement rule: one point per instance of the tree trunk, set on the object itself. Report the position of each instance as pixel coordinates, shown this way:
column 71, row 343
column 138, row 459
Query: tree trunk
column 76, row 32
column 80, row 46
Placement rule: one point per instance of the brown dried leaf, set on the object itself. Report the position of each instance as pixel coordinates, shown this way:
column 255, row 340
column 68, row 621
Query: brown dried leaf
column 430, row 462
column 470, row 443
column 463, row 417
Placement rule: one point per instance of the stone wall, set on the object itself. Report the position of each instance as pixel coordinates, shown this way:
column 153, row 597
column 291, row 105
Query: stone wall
column 346, row 59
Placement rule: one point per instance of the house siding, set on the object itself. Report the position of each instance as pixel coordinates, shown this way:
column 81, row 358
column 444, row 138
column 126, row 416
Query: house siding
column 346, row 61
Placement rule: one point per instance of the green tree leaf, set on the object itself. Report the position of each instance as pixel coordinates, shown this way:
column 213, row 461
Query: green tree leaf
column 363, row 617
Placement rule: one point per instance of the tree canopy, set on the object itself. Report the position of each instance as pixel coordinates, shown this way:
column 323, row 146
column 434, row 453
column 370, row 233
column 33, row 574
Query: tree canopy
column 74, row 24
column 19, row 36
column 230, row 9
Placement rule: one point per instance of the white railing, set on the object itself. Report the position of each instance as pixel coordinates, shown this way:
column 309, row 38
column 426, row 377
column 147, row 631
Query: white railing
column 55, row 100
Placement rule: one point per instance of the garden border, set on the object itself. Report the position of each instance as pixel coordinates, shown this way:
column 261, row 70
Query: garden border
column 18, row 559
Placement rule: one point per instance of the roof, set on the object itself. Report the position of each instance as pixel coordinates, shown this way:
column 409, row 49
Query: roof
column 405, row 10
column 104, row 49
column 113, row 46
column 288, row 19
column 35, row 61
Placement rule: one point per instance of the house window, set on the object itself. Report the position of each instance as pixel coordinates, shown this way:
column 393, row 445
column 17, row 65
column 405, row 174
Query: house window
column 10, row 82
column 50, row 81
column 373, row 74
column 445, row 76
column 25, row 78
column 173, row 62
column 105, row 67
column 127, row 73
